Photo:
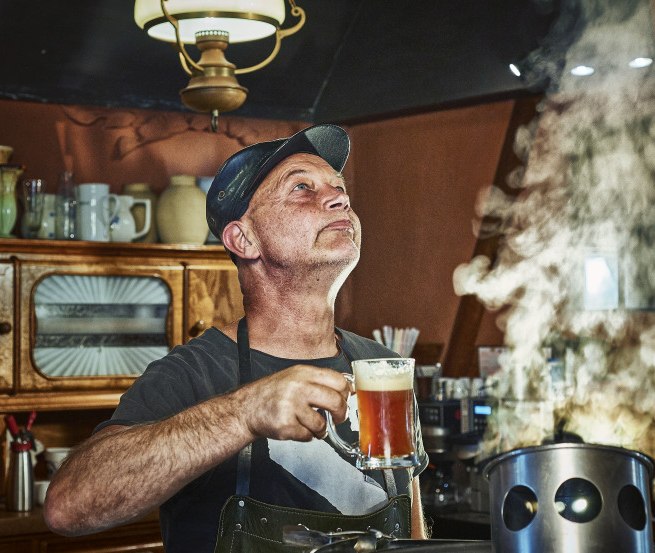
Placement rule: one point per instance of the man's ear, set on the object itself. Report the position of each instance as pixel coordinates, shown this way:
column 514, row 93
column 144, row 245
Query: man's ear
column 235, row 239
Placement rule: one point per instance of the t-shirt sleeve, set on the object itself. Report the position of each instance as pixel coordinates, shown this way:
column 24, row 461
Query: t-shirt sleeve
column 179, row 380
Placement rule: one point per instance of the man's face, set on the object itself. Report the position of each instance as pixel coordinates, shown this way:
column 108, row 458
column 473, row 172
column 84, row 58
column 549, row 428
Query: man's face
column 301, row 216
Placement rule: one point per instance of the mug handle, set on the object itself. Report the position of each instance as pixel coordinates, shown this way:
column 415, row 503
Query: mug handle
column 338, row 441
column 146, row 223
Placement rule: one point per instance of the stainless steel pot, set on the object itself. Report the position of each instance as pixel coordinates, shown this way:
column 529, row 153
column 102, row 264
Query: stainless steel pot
column 566, row 497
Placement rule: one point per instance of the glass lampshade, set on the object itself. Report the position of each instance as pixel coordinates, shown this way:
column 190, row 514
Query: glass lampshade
column 244, row 20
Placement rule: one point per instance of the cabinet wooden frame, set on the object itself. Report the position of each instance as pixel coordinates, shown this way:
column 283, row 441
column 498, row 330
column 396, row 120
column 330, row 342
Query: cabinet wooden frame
column 204, row 291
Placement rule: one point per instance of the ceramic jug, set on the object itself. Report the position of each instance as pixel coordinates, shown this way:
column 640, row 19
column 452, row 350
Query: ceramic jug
column 123, row 227
column 9, row 175
column 96, row 207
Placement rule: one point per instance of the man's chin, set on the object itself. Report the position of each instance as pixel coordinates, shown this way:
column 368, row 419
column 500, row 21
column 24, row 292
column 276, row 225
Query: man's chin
column 342, row 258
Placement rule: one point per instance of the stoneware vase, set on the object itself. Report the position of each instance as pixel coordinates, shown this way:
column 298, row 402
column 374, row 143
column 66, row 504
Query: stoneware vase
column 181, row 215
column 9, row 175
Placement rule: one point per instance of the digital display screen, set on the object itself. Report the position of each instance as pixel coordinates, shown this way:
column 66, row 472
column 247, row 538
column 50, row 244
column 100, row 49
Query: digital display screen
column 482, row 410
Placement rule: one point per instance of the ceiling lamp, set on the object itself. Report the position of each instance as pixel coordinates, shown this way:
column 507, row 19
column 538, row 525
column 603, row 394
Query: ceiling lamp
column 211, row 25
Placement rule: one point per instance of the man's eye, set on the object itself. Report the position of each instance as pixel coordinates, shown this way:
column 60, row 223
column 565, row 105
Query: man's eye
column 341, row 189
column 301, row 186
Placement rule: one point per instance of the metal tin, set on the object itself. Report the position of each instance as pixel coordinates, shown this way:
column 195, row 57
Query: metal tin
column 565, row 497
column 20, row 479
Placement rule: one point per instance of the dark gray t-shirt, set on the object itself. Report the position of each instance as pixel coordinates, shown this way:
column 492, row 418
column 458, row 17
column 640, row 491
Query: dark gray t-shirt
column 307, row 475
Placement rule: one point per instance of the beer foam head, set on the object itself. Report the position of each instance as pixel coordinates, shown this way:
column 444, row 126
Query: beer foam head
column 384, row 374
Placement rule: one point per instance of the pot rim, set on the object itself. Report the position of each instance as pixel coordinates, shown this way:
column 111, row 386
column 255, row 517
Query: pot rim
column 493, row 462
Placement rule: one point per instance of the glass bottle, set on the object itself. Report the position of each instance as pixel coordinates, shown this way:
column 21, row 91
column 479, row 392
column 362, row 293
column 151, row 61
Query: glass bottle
column 65, row 207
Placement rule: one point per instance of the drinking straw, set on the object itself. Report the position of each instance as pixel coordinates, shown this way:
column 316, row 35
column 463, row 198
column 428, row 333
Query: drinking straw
column 400, row 340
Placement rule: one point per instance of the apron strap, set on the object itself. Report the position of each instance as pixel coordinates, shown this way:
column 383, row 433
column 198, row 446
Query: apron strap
column 244, row 460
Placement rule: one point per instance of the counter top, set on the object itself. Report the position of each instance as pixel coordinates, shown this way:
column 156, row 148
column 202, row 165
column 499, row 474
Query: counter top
column 458, row 525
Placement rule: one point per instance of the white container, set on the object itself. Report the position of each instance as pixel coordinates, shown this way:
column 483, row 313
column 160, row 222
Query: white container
column 54, row 457
column 40, row 490
column 96, row 207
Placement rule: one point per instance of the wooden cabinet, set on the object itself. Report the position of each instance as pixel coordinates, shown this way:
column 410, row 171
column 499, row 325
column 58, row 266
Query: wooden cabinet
column 80, row 320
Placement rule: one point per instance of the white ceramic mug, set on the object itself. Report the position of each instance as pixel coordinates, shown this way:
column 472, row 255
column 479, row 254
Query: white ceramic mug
column 54, row 457
column 96, row 207
column 40, row 490
column 123, row 226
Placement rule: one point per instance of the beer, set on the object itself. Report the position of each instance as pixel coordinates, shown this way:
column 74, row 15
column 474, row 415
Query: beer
column 386, row 423
column 385, row 401
column 385, row 404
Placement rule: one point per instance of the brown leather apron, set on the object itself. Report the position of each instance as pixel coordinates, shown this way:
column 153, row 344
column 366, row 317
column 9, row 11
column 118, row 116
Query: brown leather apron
column 250, row 526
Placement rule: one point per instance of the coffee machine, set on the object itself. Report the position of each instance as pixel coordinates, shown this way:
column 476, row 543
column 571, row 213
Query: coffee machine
column 453, row 422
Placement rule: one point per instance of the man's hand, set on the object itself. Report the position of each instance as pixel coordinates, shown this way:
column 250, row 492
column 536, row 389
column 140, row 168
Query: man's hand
column 284, row 405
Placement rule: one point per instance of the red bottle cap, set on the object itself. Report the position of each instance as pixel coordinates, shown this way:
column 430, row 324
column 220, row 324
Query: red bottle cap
column 20, row 446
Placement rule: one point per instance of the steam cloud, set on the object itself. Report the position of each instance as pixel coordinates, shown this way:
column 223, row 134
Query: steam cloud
column 576, row 267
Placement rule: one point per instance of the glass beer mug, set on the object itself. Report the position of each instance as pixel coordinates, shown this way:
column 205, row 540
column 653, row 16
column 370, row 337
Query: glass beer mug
column 385, row 405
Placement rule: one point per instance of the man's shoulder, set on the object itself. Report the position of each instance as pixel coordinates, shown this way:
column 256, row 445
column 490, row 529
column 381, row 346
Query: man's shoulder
column 212, row 342
column 359, row 347
column 203, row 354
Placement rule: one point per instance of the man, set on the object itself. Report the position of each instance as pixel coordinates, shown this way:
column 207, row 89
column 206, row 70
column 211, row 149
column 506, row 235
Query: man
column 250, row 394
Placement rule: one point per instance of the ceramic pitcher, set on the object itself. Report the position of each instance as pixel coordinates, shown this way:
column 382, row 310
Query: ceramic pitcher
column 122, row 227
column 96, row 208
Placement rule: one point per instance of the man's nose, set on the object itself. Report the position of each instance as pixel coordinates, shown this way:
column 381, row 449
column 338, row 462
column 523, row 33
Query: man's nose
column 335, row 198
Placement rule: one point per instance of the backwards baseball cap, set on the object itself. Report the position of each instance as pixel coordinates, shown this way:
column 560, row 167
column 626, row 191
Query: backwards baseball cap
column 240, row 176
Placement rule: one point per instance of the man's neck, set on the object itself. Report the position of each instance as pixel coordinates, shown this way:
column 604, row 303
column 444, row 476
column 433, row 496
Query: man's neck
column 291, row 315
column 292, row 335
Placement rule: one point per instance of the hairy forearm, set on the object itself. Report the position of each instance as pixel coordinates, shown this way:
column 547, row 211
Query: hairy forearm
column 125, row 472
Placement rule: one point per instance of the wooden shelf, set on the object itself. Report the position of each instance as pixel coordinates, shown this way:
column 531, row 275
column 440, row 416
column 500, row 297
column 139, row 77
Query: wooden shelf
column 107, row 249
column 62, row 401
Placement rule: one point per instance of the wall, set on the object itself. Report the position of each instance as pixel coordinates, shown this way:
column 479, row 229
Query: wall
column 414, row 182
column 118, row 146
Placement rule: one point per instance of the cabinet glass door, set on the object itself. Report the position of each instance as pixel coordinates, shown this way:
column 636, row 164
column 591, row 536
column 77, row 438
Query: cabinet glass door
column 99, row 326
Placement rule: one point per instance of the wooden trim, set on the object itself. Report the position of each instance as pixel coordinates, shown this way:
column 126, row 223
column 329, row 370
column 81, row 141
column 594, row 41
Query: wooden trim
column 62, row 401
column 459, row 359
column 110, row 249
